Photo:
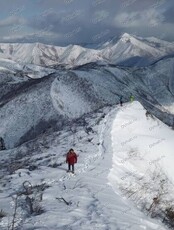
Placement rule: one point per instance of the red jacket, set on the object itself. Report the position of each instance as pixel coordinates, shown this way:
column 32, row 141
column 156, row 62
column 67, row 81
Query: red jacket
column 71, row 158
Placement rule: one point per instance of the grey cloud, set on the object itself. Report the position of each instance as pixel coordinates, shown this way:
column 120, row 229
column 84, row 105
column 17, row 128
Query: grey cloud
column 169, row 15
column 76, row 21
column 12, row 20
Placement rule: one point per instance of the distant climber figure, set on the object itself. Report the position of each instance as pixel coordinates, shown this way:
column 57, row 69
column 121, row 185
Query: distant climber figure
column 148, row 114
column 121, row 100
column 71, row 159
column 132, row 98
column 2, row 144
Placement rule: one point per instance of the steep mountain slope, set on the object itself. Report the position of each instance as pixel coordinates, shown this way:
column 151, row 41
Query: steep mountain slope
column 29, row 106
column 156, row 90
column 127, row 51
column 25, row 109
column 152, row 85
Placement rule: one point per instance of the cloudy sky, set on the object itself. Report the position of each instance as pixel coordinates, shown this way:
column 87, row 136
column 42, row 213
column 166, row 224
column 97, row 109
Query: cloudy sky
column 62, row 22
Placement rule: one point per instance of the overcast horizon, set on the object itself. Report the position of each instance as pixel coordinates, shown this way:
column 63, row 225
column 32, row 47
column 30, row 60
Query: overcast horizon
column 64, row 22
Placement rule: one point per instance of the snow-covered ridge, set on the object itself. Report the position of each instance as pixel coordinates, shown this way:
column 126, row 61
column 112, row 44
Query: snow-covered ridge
column 114, row 154
column 128, row 50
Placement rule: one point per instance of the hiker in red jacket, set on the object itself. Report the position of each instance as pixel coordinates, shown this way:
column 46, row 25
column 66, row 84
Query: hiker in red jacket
column 71, row 159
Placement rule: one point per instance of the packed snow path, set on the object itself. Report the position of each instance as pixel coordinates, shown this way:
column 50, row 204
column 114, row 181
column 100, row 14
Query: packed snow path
column 95, row 192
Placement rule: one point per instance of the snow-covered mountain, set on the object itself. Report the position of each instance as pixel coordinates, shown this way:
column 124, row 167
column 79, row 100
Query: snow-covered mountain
column 136, row 51
column 47, row 55
column 28, row 107
column 45, row 111
column 129, row 50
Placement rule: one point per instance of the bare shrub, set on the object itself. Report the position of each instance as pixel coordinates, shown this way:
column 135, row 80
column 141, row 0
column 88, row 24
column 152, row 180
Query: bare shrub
column 152, row 193
column 2, row 214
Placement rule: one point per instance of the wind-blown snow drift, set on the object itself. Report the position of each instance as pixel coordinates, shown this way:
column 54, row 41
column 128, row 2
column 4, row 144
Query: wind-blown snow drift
column 142, row 159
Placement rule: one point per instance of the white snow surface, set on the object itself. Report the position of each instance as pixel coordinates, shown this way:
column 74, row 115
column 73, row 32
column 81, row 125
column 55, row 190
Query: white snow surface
column 122, row 151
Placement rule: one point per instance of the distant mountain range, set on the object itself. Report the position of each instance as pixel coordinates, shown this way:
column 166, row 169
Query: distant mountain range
column 129, row 50
column 35, row 91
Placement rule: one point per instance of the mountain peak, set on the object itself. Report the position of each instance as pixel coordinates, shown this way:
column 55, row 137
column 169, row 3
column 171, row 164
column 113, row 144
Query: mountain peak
column 126, row 37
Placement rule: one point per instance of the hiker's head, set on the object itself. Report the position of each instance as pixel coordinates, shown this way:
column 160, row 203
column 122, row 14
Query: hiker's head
column 71, row 150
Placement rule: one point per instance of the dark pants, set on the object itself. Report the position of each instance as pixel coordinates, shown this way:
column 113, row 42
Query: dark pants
column 69, row 167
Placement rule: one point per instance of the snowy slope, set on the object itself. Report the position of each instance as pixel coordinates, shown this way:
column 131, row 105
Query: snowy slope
column 129, row 50
column 142, row 160
column 110, row 160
